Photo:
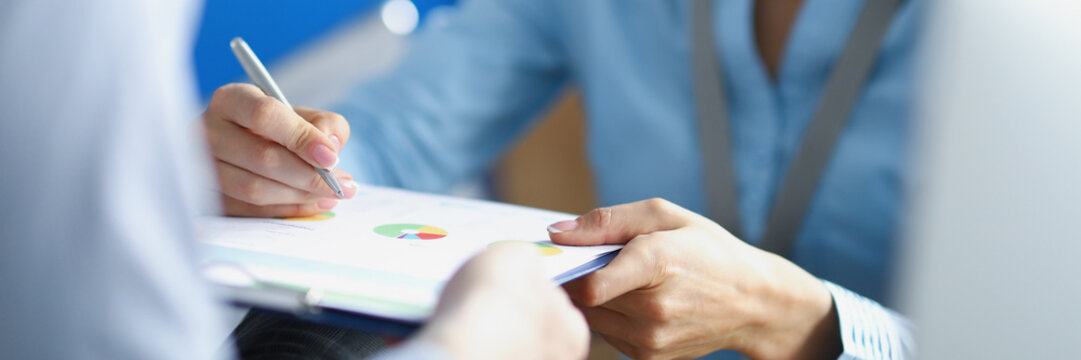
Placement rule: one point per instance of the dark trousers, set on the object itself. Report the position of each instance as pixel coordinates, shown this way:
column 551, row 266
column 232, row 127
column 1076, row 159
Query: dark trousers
column 263, row 335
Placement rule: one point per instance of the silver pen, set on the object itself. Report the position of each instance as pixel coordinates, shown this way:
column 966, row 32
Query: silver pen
column 258, row 75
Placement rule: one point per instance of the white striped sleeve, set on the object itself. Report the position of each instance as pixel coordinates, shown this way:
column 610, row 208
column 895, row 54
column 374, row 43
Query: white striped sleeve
column 868, row 329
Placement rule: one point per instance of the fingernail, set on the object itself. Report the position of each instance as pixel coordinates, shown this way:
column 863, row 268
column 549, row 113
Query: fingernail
column 327, row 203
column 337, row 143
column 325, row 156
column 349, row 188
column 562, row 226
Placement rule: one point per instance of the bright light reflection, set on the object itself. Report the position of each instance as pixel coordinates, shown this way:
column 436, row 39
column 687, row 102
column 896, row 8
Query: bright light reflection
column 400, row 16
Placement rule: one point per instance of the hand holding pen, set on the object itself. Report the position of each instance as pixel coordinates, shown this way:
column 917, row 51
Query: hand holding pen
column 273, row 159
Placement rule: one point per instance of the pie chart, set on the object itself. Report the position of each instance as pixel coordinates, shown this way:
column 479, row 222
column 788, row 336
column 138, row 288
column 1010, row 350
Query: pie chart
column 410, row 231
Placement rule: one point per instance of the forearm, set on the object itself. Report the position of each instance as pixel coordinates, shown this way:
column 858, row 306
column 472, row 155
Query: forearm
column 809, row 318
column 799, row 320
column 456, row 101
column 850, row 326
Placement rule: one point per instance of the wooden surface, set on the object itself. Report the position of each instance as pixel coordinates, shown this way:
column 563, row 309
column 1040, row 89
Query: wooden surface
column 548, row 168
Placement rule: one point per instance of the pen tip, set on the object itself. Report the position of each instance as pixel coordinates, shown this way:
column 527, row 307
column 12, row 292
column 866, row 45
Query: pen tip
column 341, row 195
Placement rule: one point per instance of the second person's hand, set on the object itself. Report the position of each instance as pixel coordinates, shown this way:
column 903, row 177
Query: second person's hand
column 500, row 305
column 264, row 153
column 683, row 287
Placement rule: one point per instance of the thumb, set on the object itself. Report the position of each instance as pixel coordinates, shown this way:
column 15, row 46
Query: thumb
column 332, row 124
column 621, row 223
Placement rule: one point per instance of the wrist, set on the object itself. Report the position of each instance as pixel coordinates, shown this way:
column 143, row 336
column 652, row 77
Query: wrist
column 799, row 319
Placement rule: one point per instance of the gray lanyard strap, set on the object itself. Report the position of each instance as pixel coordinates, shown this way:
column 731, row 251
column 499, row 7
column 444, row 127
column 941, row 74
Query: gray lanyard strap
column 804, row 172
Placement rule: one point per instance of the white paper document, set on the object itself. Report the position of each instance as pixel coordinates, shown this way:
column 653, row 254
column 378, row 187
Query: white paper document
column 385, row 253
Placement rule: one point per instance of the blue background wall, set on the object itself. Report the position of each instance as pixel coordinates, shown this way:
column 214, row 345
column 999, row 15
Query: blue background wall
column 274, row 28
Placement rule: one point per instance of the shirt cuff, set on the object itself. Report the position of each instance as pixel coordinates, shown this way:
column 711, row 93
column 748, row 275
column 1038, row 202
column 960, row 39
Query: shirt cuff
column 868, row 329
column 414, row 349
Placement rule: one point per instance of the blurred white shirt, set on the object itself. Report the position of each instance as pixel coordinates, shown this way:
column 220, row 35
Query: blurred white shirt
column 991, row 264
column 100, row 173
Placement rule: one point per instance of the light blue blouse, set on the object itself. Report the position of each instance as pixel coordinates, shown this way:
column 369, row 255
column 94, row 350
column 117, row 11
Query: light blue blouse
column 470, row 87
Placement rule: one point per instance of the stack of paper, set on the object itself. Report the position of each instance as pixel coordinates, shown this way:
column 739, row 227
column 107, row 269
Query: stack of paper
column 386, row 253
